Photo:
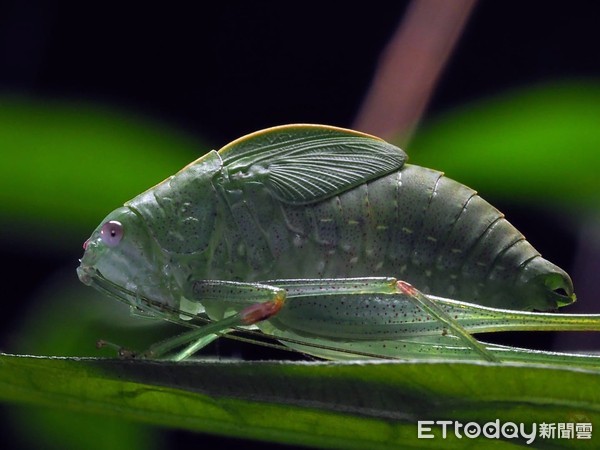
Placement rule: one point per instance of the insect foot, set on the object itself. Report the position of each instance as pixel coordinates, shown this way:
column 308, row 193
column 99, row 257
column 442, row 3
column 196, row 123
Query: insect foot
column 122, row 352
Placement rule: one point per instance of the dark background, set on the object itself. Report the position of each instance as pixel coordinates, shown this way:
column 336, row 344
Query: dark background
column 229, row 68
column 225, row 69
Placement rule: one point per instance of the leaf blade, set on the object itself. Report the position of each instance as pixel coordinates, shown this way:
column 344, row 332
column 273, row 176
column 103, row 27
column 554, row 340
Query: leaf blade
column 307, row 403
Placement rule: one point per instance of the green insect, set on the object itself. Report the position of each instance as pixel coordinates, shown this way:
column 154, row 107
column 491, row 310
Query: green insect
column 303, row 231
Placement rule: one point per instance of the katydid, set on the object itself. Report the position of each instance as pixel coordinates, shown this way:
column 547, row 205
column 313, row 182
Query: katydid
column 312, row 234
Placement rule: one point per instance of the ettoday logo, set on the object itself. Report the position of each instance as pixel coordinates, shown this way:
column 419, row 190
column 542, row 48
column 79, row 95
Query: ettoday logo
column 507, row 430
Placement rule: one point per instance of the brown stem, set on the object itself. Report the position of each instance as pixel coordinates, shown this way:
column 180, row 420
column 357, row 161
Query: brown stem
column 410, row 67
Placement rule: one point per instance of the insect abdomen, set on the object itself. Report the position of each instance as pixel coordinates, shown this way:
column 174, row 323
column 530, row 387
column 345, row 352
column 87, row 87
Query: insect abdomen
column 414, row 224
column 419, row 226
column 448, row 240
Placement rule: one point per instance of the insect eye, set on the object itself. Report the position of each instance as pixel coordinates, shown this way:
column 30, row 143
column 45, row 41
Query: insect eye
column 111, row 233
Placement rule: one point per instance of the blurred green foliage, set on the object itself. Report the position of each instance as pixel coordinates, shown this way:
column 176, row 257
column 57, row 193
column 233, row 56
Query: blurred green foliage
column 66, row 164
column 538, row 145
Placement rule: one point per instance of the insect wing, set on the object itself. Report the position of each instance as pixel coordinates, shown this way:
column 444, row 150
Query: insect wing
column 302, row 164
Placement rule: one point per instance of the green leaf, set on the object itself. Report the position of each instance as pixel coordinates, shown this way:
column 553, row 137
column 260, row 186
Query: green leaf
column 537, row 145
column 336, row 405
column 66, row 319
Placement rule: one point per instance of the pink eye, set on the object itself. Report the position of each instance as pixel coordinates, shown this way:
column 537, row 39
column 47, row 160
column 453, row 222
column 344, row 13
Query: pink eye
column 111, row 233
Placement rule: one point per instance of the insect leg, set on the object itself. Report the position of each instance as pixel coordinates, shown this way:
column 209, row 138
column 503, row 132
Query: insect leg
column 380, row 285
column 308, row 287
column 195, row 346
column 432, row 308
column 251, row 312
